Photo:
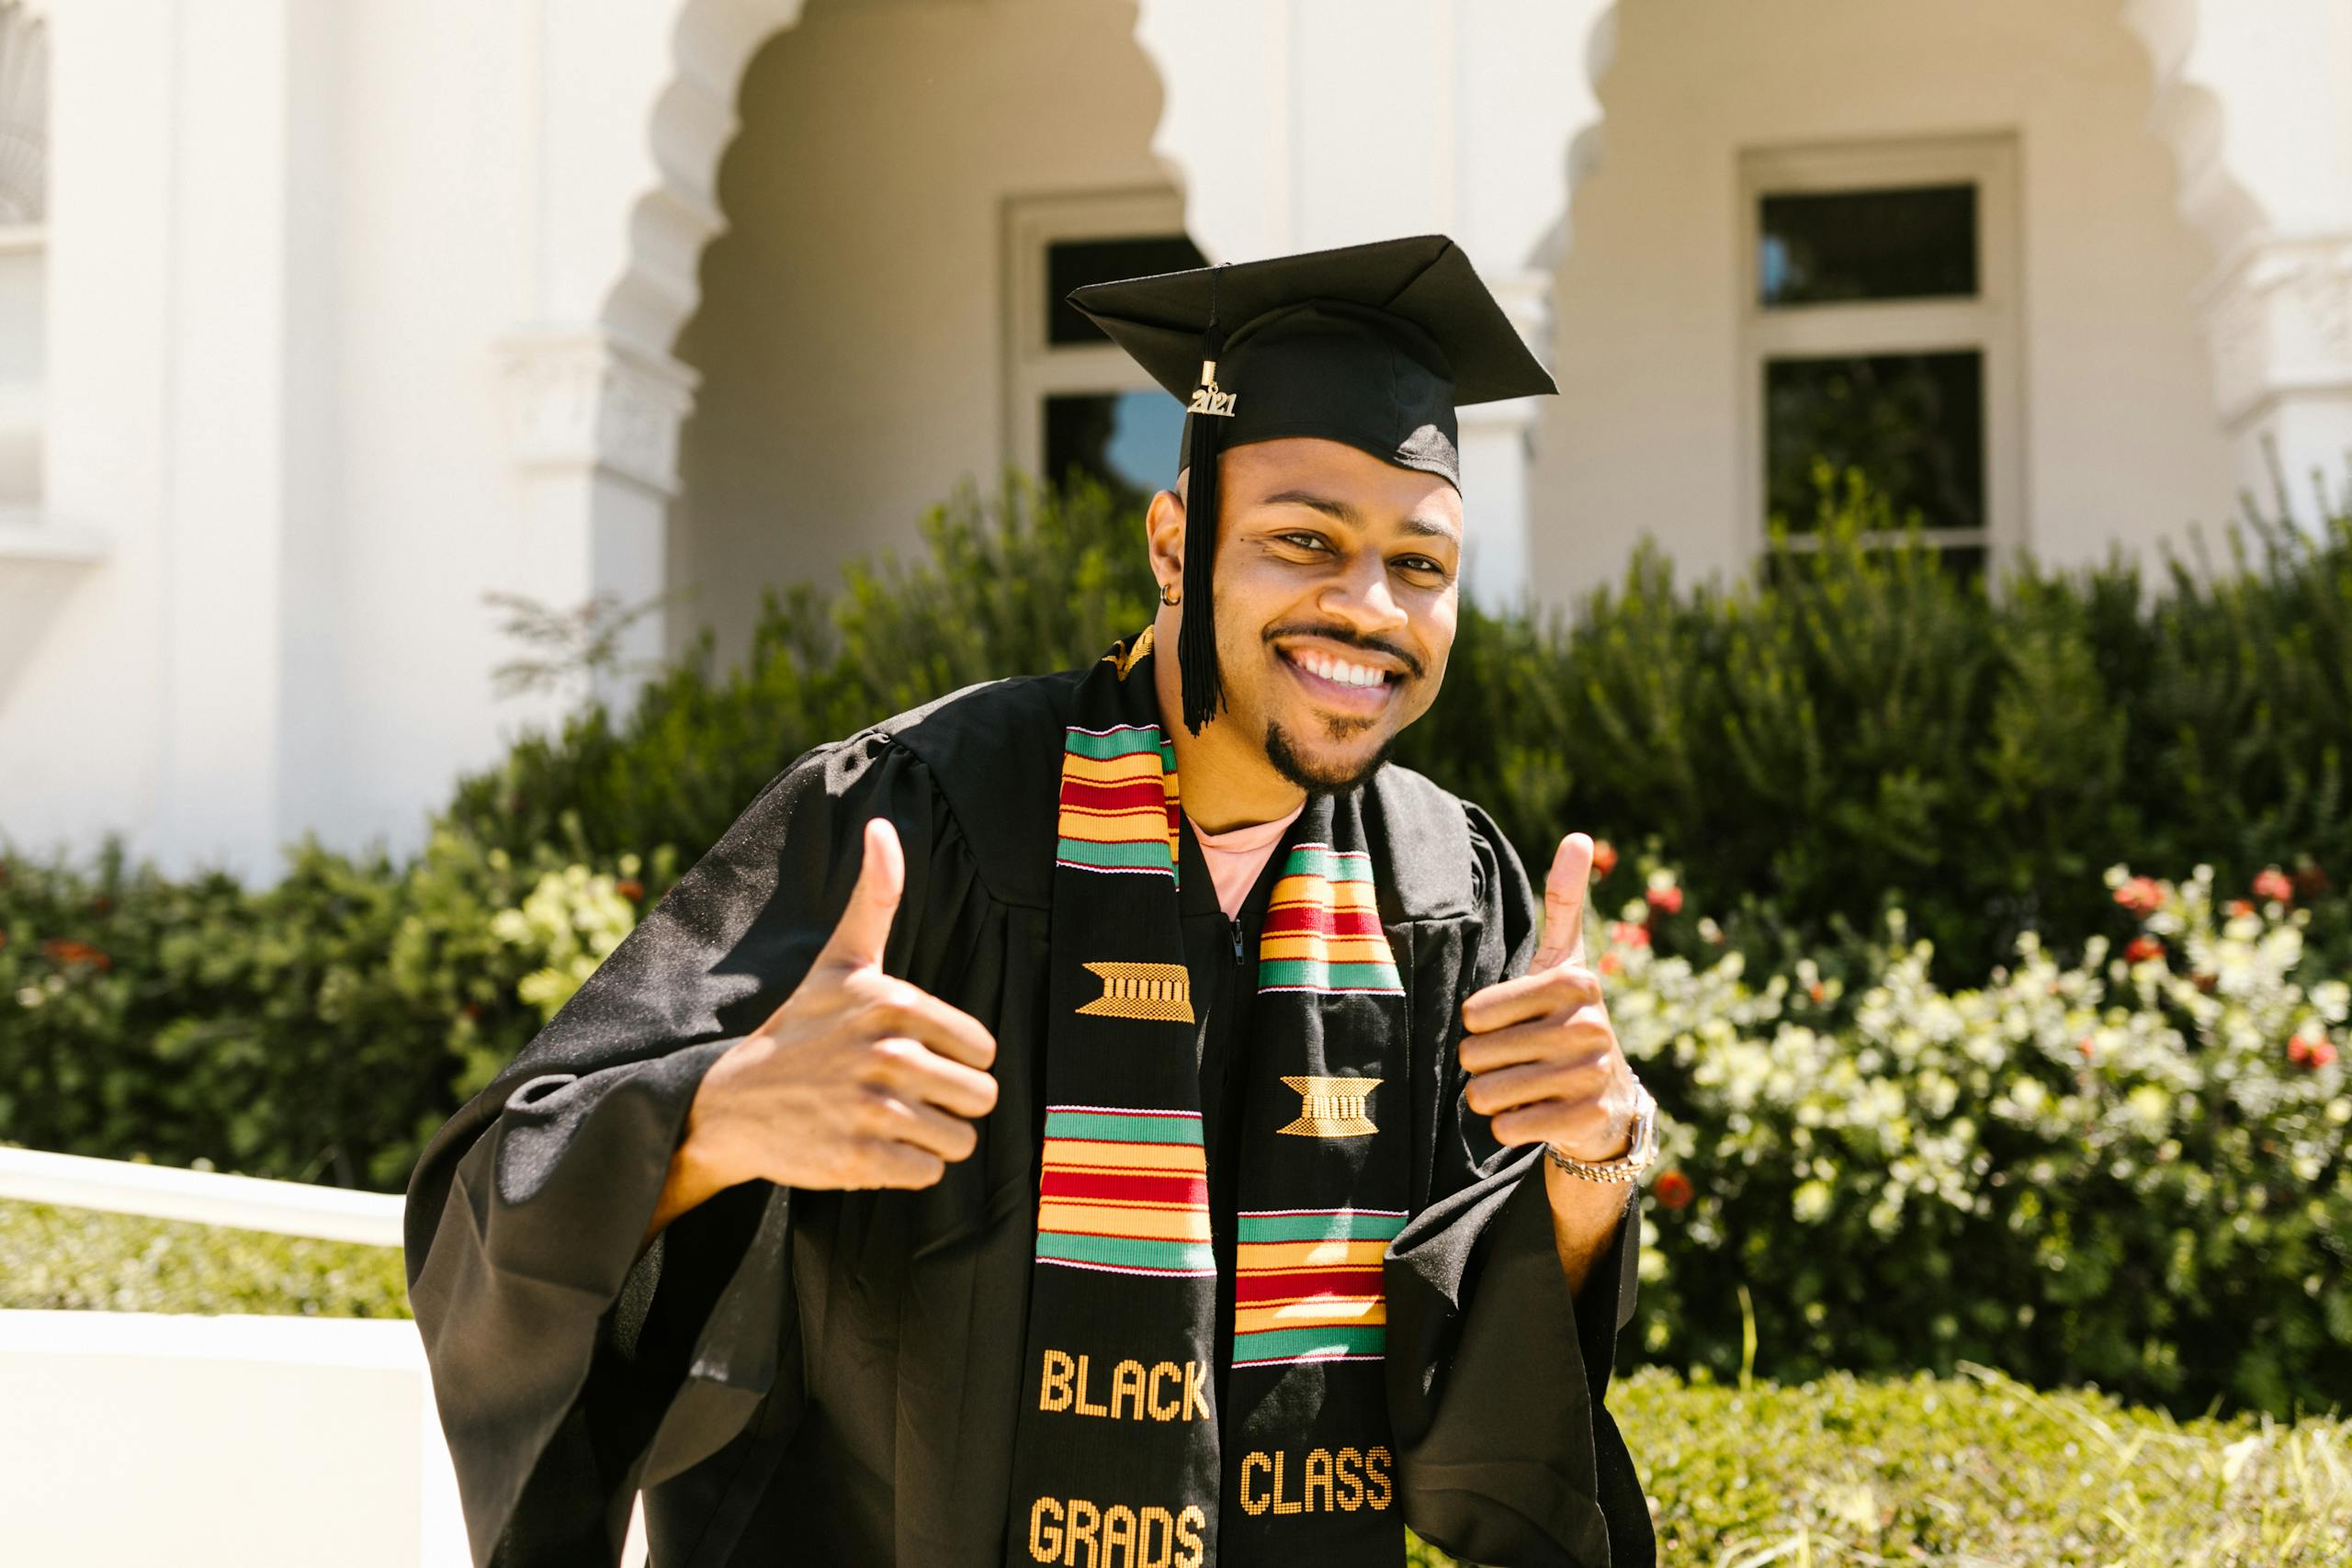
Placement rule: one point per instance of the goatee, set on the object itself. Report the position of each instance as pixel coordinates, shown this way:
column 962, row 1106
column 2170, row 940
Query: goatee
column 1314, row 781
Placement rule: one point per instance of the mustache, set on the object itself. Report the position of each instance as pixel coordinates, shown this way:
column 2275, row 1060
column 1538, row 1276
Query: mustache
column 1340, row 634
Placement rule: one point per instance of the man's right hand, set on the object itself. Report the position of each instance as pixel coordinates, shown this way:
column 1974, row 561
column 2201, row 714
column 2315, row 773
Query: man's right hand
column 859, row 1079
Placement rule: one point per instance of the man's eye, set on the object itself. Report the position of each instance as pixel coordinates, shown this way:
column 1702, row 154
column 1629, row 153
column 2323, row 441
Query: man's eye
column 1422, row 563
column 1305, row 540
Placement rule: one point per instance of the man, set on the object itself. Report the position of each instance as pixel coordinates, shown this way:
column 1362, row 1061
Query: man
column 1096, row 1118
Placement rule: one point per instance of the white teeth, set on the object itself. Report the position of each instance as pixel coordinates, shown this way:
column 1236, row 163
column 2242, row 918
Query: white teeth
column 1345, row 674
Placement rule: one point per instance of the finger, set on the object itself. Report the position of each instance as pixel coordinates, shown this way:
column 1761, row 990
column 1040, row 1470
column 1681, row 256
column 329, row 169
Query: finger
column 1545, row 1040
column 900, row 1006
column 1583, row 1124
column 1540, row 993
column 908, row 1068
column 1564, row 897
column 923, row 1126
column 889, row 1163
column 865, row 926
column 1529, row 1083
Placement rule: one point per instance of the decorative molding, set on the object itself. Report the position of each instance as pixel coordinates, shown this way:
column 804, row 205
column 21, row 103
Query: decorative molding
column 2278, row 320
column 589, row 400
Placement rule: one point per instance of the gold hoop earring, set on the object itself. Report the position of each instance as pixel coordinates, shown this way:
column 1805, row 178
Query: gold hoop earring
column 1165, row 598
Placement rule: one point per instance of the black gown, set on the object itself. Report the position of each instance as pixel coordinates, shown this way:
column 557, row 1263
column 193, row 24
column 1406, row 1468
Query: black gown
column 833, row 1377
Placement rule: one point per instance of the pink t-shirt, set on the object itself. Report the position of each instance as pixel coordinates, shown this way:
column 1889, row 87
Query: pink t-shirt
column 1237, row 856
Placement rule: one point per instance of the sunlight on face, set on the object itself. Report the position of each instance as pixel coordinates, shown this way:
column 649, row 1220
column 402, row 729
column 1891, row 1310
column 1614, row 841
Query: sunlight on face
column 1336, row 599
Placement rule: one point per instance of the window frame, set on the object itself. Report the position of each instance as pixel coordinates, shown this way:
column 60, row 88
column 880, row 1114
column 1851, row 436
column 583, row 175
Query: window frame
column 1035, row 369
column 1987, row 321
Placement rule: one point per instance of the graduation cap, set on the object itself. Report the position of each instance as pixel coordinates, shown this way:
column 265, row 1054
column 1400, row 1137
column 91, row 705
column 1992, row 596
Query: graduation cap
column 1375, row 345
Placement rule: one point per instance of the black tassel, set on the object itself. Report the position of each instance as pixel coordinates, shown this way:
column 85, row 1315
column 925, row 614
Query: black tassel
column 1196, row 639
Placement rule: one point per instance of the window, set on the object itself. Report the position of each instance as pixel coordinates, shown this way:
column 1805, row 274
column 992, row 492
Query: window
column 1073, row 398
column 1879, row 327
column 24, row 201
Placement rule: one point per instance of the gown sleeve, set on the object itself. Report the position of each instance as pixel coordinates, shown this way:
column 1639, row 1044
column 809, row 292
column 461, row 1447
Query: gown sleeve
column 568, row 1369
column 1506, row 1453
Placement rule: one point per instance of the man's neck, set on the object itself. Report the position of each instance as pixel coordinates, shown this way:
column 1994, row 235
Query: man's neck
column 1224, row 776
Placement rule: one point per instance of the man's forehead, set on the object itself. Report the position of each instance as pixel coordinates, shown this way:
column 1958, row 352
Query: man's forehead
column 1349, row 486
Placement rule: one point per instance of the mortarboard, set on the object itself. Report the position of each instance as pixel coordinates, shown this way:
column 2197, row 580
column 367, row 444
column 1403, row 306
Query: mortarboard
column 1375, row 345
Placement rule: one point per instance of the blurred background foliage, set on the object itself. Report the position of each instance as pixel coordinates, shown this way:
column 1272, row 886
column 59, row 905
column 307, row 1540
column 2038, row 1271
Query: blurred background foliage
column 1858, row 777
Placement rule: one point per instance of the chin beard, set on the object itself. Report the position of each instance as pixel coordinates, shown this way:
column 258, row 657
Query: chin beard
column 1298, row 771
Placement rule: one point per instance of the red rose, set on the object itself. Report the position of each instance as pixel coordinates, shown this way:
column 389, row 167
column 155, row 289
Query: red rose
column 1816, row 991
column 630, row 888
column 1666, row 900
column 2144, row 947
column 2241, row 906
column 1609, row 964
column 1604, row 857
column 2272, row 883
column 1673, row 1189
column 2084, row 1046
column 2307, row 1052
column 1627, row 933
column 65, row 950
column 2141, row 894
column 2323, row 1052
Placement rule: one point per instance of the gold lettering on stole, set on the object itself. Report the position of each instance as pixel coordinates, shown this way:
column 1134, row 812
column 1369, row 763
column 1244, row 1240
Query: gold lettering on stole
column 1083, row 1517
column 1085, row 1407
column 1189, row 1524
column 1126, row 1387
column 1053, row 1386
column 1375, row 1474
column 1170, row 1411
column 1252, row 1504
column 1318, row 1479
column 1196, row 1392
column 1346, row 1465
column 1283, row 1504
column 1044, row 1539
column 1147, row 1554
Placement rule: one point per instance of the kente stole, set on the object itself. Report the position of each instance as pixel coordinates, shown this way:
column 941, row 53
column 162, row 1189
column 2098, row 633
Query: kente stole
column 1121, row 1459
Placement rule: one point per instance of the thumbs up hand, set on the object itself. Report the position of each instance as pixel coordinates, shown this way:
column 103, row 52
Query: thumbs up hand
column 1544, row 1058
column 860, row 1078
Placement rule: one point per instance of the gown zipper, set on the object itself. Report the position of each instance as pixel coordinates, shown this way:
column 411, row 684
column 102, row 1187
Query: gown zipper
column 1235, row 922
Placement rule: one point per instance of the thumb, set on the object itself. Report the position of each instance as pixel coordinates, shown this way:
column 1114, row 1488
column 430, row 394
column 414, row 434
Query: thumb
column 865, row 925
column 1564, row 895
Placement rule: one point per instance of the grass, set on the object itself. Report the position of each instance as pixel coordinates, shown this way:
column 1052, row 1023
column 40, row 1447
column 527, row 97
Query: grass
column 1975, row 1471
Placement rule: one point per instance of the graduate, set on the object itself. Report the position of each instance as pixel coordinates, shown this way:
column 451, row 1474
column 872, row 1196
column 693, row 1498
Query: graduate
column 1113, row 1118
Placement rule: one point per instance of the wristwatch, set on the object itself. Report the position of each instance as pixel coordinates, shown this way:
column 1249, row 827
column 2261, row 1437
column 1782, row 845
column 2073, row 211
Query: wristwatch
column 1629, row 1166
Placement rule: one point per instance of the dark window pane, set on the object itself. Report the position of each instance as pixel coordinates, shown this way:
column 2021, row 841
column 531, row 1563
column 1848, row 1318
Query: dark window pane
column 1070, row 263
column 1867, row 244
column 1127, row 439
column 1913, row 423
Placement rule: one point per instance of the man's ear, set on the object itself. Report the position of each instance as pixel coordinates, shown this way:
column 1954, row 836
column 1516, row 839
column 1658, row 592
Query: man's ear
column 1163, row 526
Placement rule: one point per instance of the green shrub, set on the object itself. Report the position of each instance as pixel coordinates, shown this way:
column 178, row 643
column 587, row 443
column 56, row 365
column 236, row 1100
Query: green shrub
column 1906, row 1469
column 1865, row 743
column 79, row 1258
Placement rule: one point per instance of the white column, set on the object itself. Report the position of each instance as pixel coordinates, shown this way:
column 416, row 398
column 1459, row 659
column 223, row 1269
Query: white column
column 2255, row 98
column 594, row 431
column 635, row 108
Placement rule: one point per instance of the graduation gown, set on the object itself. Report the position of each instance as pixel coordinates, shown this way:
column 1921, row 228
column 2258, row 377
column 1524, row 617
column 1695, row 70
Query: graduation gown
column 833, row 1377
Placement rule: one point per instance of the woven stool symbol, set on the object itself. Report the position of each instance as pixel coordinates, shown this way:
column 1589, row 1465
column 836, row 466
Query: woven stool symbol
column 1161, row 993
column 1333, row 1108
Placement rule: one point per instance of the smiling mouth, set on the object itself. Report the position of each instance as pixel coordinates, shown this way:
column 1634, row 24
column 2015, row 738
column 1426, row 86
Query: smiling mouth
column 1354, row 688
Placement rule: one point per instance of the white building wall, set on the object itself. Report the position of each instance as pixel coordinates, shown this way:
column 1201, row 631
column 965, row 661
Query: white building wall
column 851, row 337
column 2121, row 440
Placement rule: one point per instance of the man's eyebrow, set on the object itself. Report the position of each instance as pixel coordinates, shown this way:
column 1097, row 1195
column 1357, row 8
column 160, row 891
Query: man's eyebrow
column 1330, row 506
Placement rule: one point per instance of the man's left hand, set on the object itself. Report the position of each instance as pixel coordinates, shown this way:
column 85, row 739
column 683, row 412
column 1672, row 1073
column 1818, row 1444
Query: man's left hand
column 1544, row 1057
